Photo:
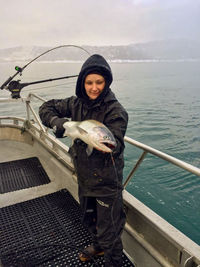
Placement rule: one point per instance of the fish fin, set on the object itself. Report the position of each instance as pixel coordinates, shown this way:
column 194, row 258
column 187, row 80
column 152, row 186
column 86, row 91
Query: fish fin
column 82, row 131
column 66, row 128
column 68, row 125
column 65, row 132
column 89, row 150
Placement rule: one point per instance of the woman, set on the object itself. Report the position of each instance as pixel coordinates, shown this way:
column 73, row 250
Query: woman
column 99, row 174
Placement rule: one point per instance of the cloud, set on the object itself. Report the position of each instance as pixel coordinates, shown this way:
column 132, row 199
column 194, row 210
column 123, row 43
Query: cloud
column 105, row 22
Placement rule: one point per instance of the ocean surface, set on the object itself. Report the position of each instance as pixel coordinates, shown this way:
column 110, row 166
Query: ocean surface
column 163, row 102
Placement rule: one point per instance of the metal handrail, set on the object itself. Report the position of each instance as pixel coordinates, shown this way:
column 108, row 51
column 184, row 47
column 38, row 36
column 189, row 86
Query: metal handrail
column 145, row 148
column 159, row 154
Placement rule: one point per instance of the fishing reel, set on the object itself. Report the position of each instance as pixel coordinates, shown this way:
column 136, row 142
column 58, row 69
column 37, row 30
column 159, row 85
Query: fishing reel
column 15, row 88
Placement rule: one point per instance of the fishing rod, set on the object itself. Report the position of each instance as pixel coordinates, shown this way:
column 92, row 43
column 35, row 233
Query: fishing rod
column 15, row 87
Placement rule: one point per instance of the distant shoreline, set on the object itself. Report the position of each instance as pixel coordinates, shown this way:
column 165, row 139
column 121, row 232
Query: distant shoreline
column 111, row 61
column 158, row 51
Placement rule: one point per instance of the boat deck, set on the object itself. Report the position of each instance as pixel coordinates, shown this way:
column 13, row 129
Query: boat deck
column 21, row 174
column 44, row 231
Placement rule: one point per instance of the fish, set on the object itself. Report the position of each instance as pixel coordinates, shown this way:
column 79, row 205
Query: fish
column 94, row 133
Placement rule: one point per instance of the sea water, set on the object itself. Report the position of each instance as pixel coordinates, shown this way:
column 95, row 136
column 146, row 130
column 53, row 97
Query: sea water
column 163, row 103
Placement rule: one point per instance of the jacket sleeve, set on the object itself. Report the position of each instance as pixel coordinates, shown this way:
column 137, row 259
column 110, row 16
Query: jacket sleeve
column 117, row 121
column 55, row 108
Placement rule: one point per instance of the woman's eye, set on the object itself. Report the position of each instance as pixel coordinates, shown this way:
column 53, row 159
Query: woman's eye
column 100, row 82
column 88, row 82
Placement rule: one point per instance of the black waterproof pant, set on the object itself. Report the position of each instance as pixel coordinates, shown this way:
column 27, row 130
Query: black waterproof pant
column 105, row 218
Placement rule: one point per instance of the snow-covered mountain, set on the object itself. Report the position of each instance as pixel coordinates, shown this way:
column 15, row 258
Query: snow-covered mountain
column 168, row 49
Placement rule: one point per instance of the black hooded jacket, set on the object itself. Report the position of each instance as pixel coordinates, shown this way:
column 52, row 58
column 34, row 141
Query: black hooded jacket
column 97, row 176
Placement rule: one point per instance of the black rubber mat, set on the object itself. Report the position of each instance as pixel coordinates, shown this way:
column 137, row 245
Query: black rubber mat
column 46, row 231
column 21, row 174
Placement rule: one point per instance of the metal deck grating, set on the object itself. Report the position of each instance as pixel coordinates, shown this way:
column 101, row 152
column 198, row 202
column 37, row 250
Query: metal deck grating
column 21, row 174
column 45, row 231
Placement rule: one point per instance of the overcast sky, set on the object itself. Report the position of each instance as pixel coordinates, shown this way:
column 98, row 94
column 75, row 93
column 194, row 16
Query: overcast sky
column 96, row 22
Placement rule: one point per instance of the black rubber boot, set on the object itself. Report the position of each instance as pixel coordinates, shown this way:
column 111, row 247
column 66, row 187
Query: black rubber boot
column 91, row 251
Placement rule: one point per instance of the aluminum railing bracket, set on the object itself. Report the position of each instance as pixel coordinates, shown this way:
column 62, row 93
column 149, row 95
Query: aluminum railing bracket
column 187, row 260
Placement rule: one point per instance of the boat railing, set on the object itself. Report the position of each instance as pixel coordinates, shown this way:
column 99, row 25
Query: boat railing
column 148, row 149
column 145, row 148
column 33, row 125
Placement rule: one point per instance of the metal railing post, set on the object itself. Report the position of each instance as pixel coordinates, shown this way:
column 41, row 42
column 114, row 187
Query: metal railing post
column 37, row 119
column 129, row 177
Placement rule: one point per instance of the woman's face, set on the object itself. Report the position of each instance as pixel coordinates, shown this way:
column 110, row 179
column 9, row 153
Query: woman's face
column 94, row 85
